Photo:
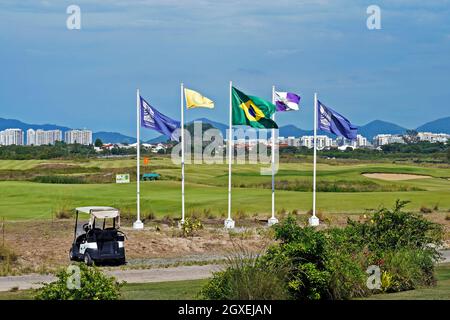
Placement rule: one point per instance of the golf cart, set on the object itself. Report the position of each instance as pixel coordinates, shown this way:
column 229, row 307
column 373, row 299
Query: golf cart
column 100, row 239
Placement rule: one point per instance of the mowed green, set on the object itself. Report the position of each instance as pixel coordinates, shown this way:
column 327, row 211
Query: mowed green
column 180, row 290
column 206, row 189
column 172, row 290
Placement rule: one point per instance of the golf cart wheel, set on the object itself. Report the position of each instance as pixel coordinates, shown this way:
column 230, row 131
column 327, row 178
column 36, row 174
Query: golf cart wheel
column 88, row 260
column 71, row 255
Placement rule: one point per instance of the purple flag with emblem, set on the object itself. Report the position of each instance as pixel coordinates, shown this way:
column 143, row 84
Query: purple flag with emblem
column 153, row 119
column 333, row 122
column 287, row 101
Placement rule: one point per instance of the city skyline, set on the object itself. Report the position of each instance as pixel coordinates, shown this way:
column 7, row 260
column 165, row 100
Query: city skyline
column 90, row 75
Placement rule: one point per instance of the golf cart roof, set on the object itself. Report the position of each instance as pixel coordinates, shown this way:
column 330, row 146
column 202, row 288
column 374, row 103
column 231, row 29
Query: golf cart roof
column 100, row 212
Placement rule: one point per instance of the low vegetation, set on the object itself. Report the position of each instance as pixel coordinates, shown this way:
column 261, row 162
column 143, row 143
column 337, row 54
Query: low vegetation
column 311, row 264
column 342, row 185
column 7, row 260
column 247, row 277
column 191, row 226
column 93, row 285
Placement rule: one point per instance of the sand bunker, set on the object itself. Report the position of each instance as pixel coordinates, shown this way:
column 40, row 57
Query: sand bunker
column 394, row 176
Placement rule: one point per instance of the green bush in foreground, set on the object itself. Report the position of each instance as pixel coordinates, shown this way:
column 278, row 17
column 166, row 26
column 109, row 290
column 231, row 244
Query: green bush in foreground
column 311, row 264
column 247, row 278
column 94, row 285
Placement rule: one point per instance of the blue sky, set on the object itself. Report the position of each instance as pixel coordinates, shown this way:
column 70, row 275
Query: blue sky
column 87, row 78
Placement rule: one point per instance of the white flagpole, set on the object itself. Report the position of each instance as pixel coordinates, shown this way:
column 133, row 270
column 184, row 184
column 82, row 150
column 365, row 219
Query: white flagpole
column 182, row 154
column 229, row 223
column 138, row 223
column 273, row 220
column 314, row 221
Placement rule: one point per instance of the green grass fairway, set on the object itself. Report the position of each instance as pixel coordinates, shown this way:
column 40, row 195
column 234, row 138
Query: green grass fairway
column 179, row 290
column 206, row 189
column 176, row 290
column 26, row 200
column 172, row 290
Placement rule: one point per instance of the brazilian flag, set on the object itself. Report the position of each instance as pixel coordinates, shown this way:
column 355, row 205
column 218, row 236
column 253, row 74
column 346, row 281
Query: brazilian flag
column 252, row 111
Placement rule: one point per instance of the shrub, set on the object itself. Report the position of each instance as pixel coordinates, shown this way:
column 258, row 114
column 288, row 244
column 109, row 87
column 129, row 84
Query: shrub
column 241, row 214
column 94, row 285
column 304, row 249
column 247, row 277
column 59, row 179
column 396, row 229
column 7, row 260
column 150, row 216
column 347, row 276
column 7, row 254
column 191, row 226
column 63, row 214
column 408, row 269
column 424, row 209
column 332, row 263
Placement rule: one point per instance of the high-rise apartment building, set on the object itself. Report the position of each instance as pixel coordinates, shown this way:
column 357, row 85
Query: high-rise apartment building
column 78, row 136
column 10, row 137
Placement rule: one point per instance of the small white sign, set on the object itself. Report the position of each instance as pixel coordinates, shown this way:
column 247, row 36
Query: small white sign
column 123, row 178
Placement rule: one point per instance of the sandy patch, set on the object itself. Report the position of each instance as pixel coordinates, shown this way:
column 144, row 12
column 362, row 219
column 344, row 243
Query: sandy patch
column 394, row 176
column 44, row 245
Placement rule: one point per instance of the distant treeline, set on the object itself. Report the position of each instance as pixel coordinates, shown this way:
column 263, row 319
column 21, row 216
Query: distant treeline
column 438, row 152
column 60, row 150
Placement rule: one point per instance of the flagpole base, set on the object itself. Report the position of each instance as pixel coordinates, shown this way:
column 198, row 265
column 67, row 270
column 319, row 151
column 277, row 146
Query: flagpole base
column 272, row 221
column 314, row 221
column 138, row 225
column 229, row 224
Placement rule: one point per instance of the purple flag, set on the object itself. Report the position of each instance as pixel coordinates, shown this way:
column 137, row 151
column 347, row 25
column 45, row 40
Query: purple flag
column 153, row 119
column 287, row 101
column 332, row 122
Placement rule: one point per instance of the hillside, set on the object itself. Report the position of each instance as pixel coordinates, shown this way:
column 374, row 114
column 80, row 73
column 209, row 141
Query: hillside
column 437, row 126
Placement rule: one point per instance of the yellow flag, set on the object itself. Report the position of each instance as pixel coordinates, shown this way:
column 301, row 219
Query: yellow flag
column 195, row 100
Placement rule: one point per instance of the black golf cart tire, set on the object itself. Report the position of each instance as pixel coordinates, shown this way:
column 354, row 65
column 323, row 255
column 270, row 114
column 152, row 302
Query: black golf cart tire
column 88, row 260
column 71, row 256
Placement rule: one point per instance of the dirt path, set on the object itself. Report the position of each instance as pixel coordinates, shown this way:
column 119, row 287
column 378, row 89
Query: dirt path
column 130, row 276
column 135, row 275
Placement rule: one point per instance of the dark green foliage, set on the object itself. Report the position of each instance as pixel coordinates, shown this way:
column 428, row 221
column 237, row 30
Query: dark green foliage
column 94, row 285
column 247, row 277
column 59, row 179
column 332, row 263
column 59, row 150
column 324, row 264
column 420, row 151
column 98, row 143
column 408, row 268
column 396, row 229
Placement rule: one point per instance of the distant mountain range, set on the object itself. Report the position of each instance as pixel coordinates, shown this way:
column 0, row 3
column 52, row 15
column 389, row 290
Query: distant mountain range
column 12, row 123
column 438, row 126
column 369, row 130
